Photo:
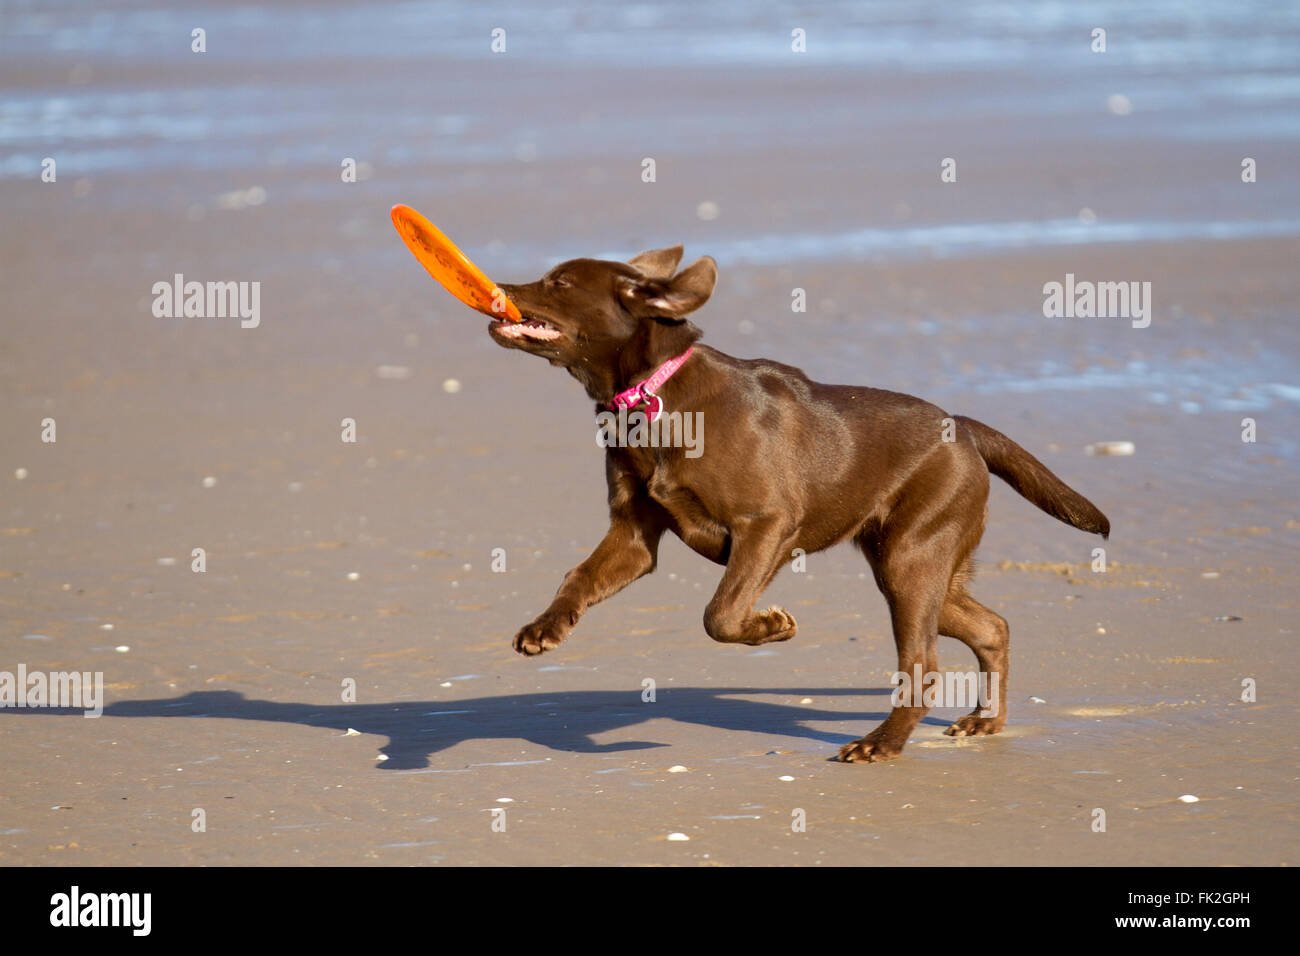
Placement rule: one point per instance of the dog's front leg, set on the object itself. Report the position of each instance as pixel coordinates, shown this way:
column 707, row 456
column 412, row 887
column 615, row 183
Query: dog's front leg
column 628, row 551
column 758, row 550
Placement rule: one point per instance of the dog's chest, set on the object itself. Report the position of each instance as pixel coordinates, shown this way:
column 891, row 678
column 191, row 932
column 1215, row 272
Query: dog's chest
column 692, row 520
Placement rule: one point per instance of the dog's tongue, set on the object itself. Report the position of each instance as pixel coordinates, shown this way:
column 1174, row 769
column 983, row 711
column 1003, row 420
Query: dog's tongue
column 450, row 266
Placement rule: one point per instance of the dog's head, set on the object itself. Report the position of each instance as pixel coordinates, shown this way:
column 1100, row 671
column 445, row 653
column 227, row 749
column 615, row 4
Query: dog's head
column 606, row 321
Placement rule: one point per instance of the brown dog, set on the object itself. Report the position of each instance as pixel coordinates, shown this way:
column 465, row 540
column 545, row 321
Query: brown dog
column 790, row 464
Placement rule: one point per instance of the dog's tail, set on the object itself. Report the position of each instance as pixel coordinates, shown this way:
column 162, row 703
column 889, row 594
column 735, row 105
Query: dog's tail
column 1032, row 479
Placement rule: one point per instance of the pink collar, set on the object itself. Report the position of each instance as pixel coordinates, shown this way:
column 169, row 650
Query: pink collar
column 644, row 391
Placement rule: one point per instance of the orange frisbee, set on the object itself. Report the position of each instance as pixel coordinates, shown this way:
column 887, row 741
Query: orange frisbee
column 450, row 266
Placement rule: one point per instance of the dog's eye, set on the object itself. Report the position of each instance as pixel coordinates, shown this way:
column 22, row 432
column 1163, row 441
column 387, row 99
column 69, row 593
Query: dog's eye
column 560, row 282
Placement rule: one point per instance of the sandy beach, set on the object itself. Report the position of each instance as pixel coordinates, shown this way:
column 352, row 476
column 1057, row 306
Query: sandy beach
column 330, row 562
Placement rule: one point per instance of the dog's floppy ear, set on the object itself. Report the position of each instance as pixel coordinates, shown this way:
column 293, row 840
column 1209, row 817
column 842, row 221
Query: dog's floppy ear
column 671, row 300
column 658, row 263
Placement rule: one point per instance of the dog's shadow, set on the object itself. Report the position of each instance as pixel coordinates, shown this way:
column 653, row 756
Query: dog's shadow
column 567, row 721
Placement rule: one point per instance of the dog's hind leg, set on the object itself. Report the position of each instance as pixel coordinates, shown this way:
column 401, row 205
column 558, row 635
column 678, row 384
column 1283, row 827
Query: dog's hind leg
column 917, row 554
column 986, row 633
column 758, row 550
column 914, row 587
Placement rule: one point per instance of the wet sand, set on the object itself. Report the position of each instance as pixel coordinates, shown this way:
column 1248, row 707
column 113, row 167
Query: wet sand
column 228, row 698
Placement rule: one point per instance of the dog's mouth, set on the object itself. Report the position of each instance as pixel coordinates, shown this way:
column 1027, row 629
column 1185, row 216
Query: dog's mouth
column 530, row 329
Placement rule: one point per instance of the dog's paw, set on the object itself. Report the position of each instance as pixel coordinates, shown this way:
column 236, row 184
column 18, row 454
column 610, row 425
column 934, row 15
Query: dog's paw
column 774, row 624
column 973, row 725
column 873, row 748
column 544, row 634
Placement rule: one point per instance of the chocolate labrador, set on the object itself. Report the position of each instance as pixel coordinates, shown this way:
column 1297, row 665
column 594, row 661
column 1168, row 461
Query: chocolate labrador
column 790, row 466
